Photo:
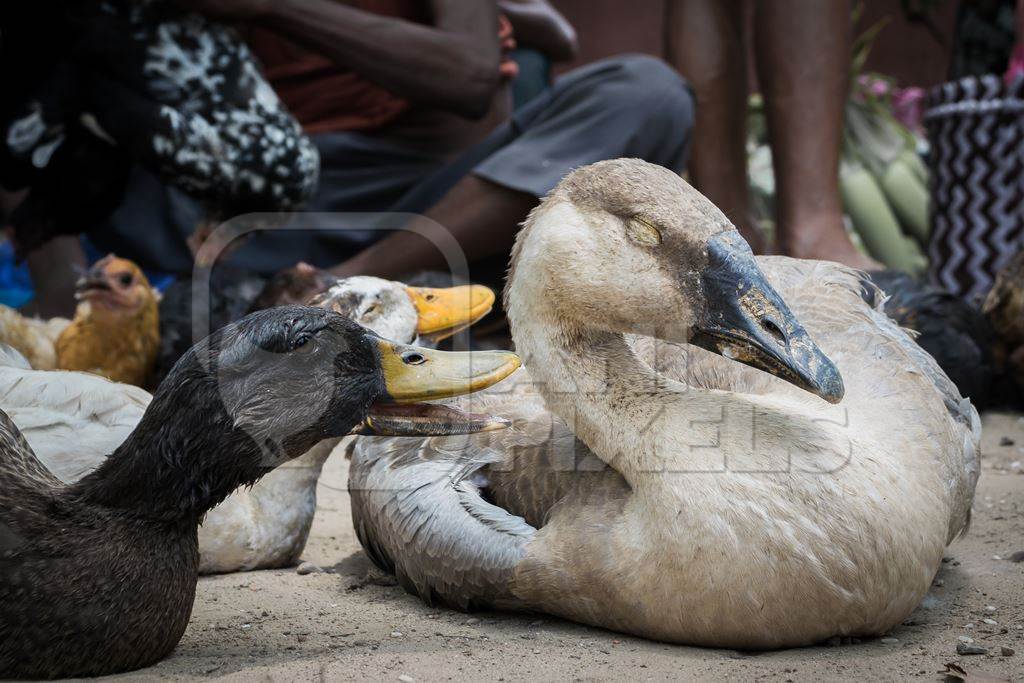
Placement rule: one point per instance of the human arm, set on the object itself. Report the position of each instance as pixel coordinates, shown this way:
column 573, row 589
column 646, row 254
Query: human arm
column 538, row 24
column 452, row 64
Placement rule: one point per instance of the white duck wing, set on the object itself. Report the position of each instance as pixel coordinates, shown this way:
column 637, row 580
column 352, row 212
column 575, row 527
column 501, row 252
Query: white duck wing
column 11, row 357
column 72, row 420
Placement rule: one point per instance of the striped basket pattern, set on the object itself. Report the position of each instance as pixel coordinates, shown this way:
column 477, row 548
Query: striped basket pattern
column 976, row 129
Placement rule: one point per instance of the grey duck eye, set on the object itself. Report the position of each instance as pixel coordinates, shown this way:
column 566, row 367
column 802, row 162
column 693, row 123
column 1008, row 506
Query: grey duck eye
column 300, row 341
column 413, row 358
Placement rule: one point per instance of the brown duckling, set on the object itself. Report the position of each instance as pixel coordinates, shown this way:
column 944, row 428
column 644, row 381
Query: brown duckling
column 99, row 576
column 116, row 329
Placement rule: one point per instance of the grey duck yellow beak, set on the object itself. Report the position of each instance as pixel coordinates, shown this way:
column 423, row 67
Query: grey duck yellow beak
column 444, row 311
column 413, row 374
column 746, row 320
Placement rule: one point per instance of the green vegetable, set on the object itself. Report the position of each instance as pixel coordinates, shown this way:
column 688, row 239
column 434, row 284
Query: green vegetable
column 875, row 221
column 907, row 196
column 913, row 160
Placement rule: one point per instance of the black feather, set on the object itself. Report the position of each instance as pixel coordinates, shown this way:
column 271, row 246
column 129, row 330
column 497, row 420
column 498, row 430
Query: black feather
column 953, row 331
column 98, row 577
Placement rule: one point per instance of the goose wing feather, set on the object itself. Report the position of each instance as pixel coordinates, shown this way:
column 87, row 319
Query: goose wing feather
column 840, row 307
column 825, row 296
column 832, row 300
column 418, row 512
column 541, row 460
column 451, row 516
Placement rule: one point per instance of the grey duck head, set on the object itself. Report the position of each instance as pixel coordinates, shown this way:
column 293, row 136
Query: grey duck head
column 265, row 389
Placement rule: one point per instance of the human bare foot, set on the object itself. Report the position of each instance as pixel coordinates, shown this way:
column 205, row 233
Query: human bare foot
column 825, row 240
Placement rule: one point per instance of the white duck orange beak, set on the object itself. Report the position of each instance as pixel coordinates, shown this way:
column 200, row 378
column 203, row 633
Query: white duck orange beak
column 444, row 311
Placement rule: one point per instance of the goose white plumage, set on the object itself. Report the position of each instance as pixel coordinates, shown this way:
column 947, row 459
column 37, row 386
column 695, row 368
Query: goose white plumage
column 665, row 490
column 73, row 420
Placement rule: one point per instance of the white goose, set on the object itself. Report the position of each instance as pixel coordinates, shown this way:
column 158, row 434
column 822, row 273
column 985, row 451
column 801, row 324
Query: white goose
column 64, row 413
column 724, row 507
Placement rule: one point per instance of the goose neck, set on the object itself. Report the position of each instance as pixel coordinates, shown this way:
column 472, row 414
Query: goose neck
column 592, row 379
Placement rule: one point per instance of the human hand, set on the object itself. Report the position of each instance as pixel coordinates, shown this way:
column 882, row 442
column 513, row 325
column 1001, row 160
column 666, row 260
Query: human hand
column 542, row 27
column 506, row 36
column 297, row 284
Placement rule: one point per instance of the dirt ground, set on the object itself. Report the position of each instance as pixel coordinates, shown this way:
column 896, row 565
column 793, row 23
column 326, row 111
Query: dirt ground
column 351, row 623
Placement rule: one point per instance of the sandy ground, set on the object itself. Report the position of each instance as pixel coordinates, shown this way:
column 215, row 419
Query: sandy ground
column 351, row 623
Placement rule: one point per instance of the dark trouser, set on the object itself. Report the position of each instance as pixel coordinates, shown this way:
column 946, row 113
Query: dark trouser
column 628, row 106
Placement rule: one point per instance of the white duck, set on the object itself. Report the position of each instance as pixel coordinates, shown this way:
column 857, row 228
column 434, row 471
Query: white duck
column 62, row 413
column 725, row 507
column 268, row 525
column 71, row 419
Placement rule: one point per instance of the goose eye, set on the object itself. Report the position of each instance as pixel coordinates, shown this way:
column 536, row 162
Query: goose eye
column 642, row 232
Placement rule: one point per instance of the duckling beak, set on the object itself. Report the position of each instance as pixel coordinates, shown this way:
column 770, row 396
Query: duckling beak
column 413, row 374
column 443, row 312
column 91, row 283
column 746, row 320
column 95, row 279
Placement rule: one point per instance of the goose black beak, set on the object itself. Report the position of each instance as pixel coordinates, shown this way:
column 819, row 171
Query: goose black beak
column 413, row 374
column 445, row 311
column 746, row 320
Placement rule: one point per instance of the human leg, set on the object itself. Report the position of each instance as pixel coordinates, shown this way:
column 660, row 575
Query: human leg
column 803, row 56
column 627, row 106
column 705, row 43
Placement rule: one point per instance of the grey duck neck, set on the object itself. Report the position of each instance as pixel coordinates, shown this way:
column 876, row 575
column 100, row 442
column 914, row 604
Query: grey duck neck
column 185, row 457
